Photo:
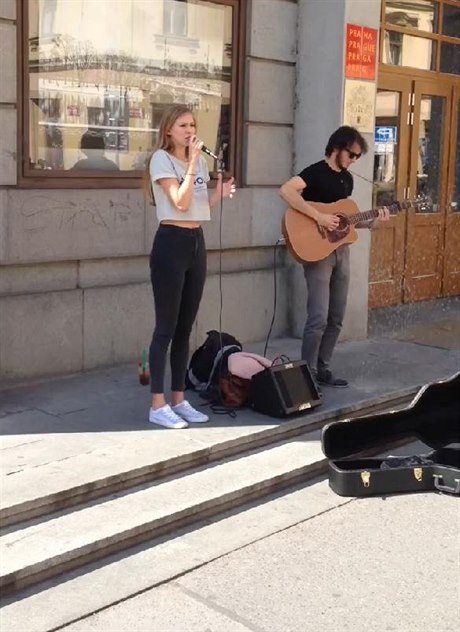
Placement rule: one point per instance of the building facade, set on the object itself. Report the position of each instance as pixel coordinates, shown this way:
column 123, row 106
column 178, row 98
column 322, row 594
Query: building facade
column 269, row 80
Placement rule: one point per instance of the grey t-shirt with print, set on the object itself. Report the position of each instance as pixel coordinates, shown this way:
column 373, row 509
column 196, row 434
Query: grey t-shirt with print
column 164, row 165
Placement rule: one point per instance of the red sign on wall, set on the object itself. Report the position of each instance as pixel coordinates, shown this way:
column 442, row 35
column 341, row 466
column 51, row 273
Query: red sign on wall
column 360, row 52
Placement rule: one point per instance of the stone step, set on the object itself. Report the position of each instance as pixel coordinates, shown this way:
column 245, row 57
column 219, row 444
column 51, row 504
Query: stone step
column 33, row 552
column 77, row 478
column 94, row 587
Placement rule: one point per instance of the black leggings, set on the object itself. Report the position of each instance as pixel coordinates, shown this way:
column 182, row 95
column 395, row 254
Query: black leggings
column 178, row 273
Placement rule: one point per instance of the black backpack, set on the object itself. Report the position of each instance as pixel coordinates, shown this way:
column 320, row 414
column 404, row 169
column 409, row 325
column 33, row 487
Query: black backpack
column 210, row 360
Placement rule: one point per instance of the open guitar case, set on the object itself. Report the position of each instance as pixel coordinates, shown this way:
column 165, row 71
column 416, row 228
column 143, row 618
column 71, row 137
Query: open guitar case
column 433, row 417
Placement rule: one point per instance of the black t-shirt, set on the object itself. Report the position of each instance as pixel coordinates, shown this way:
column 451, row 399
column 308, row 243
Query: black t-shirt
column 324, row 184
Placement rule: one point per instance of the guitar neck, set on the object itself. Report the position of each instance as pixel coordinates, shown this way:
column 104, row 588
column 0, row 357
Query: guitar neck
column 394, row 208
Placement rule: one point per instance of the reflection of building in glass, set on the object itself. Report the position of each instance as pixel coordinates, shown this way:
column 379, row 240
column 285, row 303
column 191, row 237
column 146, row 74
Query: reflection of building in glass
column 415, row 14
column 386, row 146
column 116, row 66
column 401, row 49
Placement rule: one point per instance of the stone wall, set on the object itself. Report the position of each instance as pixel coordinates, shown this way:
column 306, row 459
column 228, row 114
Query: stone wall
column 74, row 278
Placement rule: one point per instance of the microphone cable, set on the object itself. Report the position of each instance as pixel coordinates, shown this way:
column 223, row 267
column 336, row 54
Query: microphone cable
column 219, row 408
column 281, row 240
column 216, row 405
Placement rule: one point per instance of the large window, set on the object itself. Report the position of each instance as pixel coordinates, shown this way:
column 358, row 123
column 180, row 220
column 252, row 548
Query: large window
column 99, row 73
column 421, row 34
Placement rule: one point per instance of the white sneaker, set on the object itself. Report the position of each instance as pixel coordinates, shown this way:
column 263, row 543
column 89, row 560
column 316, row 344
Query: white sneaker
column 166, row 417
column 187, row 412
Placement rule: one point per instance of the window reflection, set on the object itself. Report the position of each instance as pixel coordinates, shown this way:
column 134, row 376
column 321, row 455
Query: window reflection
column 386, row 146
column 451, row 21
column 110, row 68
column 408, row 50
column 430, row 146
column 450, row 58
column 415, row 14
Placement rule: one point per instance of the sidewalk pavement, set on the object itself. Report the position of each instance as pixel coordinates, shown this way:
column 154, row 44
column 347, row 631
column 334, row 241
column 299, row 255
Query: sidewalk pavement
column 57, row 428
column 354, row 565
column 74, row 434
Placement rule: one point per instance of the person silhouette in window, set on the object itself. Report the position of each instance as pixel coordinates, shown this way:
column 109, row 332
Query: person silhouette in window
column 92, row 145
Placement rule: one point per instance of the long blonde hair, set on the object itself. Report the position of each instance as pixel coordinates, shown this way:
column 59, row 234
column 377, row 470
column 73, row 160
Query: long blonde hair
column 169, row 117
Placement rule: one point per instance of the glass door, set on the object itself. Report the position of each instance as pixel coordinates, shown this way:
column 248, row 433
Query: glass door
column 392, row 139
column 429, row 154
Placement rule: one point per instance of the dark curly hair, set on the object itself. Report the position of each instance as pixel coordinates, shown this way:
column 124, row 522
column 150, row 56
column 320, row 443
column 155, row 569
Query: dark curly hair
column 92, row 139
column 343, row 138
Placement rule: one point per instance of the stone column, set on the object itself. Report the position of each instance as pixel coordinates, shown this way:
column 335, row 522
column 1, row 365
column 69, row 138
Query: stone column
column 320, row 82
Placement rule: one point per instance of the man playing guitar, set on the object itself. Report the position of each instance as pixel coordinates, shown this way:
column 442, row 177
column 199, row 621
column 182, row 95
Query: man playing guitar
column 327, row 280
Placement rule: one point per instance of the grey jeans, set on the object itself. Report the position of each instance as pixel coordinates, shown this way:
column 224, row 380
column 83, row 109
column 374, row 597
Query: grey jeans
column 327, row 289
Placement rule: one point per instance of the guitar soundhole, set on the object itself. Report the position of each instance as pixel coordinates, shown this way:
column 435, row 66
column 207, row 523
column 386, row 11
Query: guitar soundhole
column 341, row 231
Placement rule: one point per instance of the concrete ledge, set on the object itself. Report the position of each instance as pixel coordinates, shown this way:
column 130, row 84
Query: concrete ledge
column 113, row 272
column 245, row 260
column 46, row 277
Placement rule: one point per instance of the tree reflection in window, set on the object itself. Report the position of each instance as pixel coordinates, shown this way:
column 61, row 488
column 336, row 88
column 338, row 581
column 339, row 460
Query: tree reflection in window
column 115, row 66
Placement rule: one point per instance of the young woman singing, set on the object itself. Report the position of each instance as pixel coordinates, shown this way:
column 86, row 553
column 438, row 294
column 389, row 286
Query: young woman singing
column 179, row 178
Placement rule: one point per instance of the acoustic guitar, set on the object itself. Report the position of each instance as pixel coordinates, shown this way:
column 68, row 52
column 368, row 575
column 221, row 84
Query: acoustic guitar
column 308, row 241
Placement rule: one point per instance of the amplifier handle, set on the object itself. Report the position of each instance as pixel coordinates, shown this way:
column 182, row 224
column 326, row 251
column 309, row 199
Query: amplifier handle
column 445, row 488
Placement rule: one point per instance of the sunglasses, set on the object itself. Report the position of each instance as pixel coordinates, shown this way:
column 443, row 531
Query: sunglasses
column 352, row 154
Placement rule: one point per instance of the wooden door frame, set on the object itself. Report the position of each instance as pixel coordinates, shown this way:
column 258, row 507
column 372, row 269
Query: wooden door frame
column 451, row 218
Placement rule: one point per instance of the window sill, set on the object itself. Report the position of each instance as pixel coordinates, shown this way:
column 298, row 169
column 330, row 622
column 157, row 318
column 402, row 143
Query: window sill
column 83, row 181
column 89, row 181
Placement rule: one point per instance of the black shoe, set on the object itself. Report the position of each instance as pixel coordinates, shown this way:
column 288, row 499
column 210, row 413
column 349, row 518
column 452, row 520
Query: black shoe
column 326, row 378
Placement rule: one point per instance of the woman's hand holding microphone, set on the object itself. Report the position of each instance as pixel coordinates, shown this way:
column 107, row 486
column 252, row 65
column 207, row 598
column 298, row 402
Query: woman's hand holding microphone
column 223, row 189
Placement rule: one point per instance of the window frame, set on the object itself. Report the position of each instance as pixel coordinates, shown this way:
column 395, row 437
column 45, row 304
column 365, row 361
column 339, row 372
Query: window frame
column 28, row 178
column 436, row 36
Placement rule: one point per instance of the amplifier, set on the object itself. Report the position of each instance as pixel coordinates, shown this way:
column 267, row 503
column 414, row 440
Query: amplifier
column 284, row 389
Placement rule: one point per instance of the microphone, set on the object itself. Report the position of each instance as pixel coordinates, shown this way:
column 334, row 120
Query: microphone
column 210, row 153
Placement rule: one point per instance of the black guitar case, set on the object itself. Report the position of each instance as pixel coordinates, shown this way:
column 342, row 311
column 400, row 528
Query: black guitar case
column 433, row 417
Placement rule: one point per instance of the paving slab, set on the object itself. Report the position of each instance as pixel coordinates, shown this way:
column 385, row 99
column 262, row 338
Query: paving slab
column 373, row 564
column 167, row 609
